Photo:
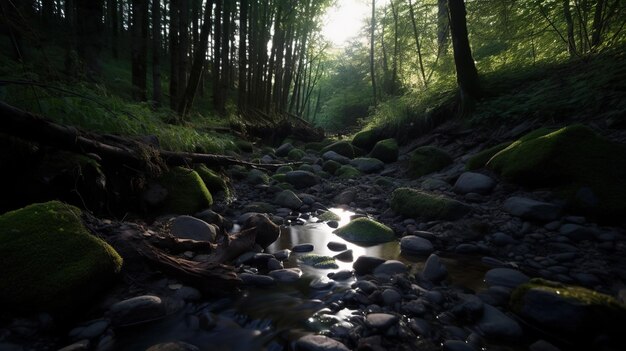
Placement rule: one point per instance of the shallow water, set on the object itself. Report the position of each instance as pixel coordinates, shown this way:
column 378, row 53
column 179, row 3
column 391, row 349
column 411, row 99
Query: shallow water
column 270, row 318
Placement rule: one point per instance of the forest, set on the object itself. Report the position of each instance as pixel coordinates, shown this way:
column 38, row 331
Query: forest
column 312, row 175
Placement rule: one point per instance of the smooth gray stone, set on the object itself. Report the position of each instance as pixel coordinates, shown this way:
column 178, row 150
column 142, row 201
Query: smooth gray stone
column 319, row 343
column 470, row 182
column 187, row 227
column 506, row 277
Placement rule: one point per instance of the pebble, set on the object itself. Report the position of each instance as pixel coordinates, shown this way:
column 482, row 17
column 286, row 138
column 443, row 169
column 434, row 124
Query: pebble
column 531, row 209
column 319, row 343
column 576, row 232
column 366, row 286
column 137, row 310
column 333, row 224
column 90, row 330
column 346, row 256
column 470, row 182
column 506, row 277
column 173, row 346
column 287, row 275
column 274, row 264
column 187, row 227
column 282, row 255
column 391, row 297
column 497, row 325
column 340, row 275
column 381, row 321
column 434, row 270
column 366, row 264
column 303, row 248
column 336, row 246
column 413, row 244
column 321, row 283
column 81, row 345
column 389, row 268
column 257, row 279
column 542, row 345
column 457, row 345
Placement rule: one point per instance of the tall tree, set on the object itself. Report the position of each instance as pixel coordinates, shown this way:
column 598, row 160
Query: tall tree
column 418, row 44
column 466, row 73
column 443, row 27
column 217, row 37
column 113, row 26
column 139, row 49
column 571, row 41
column 372, row 67
column 174, row 54
column 243, row 62
column 156, row 52
column 184, row 47
column 89, row 15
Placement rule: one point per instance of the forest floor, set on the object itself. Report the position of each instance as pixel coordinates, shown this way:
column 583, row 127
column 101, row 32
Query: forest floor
column 451, row 283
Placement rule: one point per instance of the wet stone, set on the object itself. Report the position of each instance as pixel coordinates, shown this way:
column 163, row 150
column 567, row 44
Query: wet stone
column 381, row 321
column 288, row 275
column 366, row 264
column 137, row 310
column 340, row 275
column 256, row 279
column 457, row 345
column 303, row 248
column 413, row 244
column 319, row 343
column 506, row 277
column 173, row 346
column 282, row 255
column 345, row 256
column 336, row 246
column 90, row 330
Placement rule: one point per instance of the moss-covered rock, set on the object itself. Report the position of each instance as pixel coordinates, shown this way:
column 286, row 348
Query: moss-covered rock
column 480, row 159
column 307, row 168
column 415, row 203
column 284, row 169
column 331, row 166
column 50, row 261
column 319, row 261
column 281, row 177
column 343, row 148
column 568, row 309
column 385, row 182
column 347, row 172
column 427, row 159
column 588, row 170
column 186, row 192
column 296, row 154
column 216, row 183
column 238, row 172
column 365, row 230
column 244, row 145
column 317, row 145
column 329, row 216
column 257, row 176
column 366, row 139
column 386, row 150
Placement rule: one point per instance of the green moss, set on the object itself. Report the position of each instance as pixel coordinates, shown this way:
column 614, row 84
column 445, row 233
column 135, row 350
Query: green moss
column 49, row 259
column 480, row 159
column 319, row 261
column 307, row 168
column 347, row 172
column 329, row 216
column 415, row 203
column 570, row 159
column 257, row 176
column 295, row 154
column 386, row 150
column 385, row 182
column 244, row 145
column 366, row 139
column 238, row 172
column 365, row 230
column 427, row 159
column 186, row 192
column 216, row 183
column 284, row 169
column 281, row 177
column 331, row 166
column 343, row 148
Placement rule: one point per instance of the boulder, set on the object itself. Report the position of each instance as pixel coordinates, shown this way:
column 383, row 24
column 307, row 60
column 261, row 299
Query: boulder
column 470, row 182
column 257, row 176
column 367, row 165
column 216, row 183
column 347, row 172
column 186, row 192
column 427, row 159
column 333, row 156
column 187, row 227
column 283, row 150
column 288, row 199
column 588, row 170
column 496, row 325
column 415, row 203
column 50, row 261
column 296, row 154
column 365, row 230
column 531, row 209
column 343, row 148
column 266, row 231
column 331, row 166
column 480, row 159
column 416, row 245
column 301, row 179
column 386, row 150
column 366, row 139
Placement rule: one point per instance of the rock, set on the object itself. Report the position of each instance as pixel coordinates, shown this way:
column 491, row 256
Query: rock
column 568, row 310
column 381, row 321
column 416, row 245
column 415, row 203
column 542, row 345
column 321, row 283
column 186, row 192
column 366, row 264
column 289, row 199
column 470, row 182
column 331, row 166
column 366, row 139
column 266, row 231
column 216, row 183
column 506, row 277
column 90, row 330
column 82, row 345
column 188, row 293
column 343, row 148
column 336, row 246
column 259, row 207
column 287, row 275
column 318, row 261
column 137, row 310
column 335, row 157
column 391, row 297
column 389, row 268
column 213, row 217
column 501, row 239
column 50, row 261
column 333, row 224
column 365, row 230
column 187, row 227
column 283, row 150
column 497, row 325
column 427, row 159
column 319, row 343
column 301, row 179
column 576, row 232
column 340, row 275
column 346, row 197
column 435, row 184
column 368, row 165
column 346, row 256
column 434, row 270
column 296, row 154
column 274, row 264
column 531, row 209
column 257, row 176
column 575, row 158
column 386, row 150
column 306, row 247
column 347, row 172
column 282, row 255
column 173, row 346
column 457, row 345
column 256, row 279
column 480, row 159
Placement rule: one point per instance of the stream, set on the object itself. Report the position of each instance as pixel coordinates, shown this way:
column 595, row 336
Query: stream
column 271, row 318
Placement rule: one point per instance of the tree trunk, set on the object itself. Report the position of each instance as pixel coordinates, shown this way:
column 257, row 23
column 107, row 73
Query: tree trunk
column 443, row 26
column 140, row 49
column 372, row 67
column 114, row 26
column 89, row 31
column 418, row 44
column 156, row 53
column 199, row 60
column 394, row 66
column 224, row 76
column 174, row 55
column 243, row 33
column 183, row 50
column 571, row 41
column 466, row 73
column 598, row 24
column 217, row 37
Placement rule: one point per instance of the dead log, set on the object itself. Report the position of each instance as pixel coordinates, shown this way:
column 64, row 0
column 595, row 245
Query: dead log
column 117, row 150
